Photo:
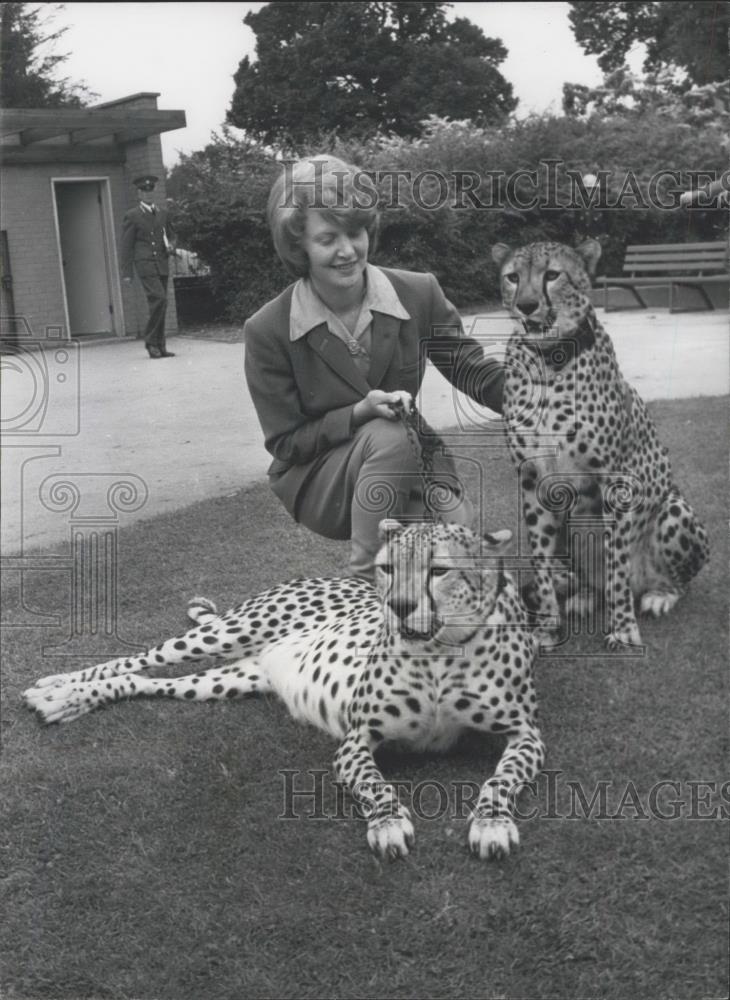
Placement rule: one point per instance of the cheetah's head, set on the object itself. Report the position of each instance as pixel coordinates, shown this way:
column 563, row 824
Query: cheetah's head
column 546, row 286
column 438, row 581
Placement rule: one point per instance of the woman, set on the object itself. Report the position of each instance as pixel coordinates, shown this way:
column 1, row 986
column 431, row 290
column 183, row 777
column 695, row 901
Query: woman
column 327, row 360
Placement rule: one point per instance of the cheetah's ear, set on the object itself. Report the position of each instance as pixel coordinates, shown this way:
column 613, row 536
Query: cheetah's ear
column 389, row 526
column 499, row 540
column 589, row 251
column 499, row 253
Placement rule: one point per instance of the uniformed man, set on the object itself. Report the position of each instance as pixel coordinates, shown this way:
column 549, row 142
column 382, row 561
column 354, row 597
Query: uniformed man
column 147, row 242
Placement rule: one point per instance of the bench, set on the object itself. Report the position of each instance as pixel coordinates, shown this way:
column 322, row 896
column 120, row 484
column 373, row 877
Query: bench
column 677, row 265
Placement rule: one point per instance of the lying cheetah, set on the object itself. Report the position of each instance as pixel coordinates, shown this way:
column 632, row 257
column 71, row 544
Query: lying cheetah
column 438, row 646
column 585, row 445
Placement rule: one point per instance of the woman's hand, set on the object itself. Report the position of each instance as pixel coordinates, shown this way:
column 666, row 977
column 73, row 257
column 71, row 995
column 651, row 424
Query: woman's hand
column 379, row 404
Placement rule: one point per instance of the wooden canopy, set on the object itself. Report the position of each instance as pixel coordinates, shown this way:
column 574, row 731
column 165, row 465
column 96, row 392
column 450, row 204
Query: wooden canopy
column 78, row 135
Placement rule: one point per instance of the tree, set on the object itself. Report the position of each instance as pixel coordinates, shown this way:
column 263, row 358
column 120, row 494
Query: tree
column 362, row 67
column 689, row 36
column 220, row 195
column 624, row 93
column 27, row 73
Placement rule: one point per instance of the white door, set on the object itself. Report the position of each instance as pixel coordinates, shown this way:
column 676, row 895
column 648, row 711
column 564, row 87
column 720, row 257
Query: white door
column 84, row 257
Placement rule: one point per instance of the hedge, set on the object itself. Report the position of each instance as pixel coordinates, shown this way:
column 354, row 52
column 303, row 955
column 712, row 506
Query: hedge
column 221, row 193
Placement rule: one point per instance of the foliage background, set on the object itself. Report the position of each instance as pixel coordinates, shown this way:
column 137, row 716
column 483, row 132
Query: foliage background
column 29, row 64
column 221, row 194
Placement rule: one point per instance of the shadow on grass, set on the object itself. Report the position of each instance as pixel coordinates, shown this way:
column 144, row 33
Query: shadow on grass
column 143, row 853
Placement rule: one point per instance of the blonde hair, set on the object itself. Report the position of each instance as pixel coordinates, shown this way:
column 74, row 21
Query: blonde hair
column 340, row 192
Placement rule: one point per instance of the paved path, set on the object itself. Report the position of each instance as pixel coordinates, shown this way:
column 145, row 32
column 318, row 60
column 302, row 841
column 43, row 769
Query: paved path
column 184, row 429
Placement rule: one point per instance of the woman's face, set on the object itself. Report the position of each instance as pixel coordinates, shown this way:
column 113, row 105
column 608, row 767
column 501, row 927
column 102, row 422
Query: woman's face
column 337, row 258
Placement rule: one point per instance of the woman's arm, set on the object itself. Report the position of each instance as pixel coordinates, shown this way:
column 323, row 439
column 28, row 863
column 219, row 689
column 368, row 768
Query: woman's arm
column 459, row 358
column 291, row 435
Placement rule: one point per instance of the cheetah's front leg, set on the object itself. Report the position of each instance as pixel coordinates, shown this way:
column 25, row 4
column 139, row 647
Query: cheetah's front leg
column 623, row 630
column 390, row 831
column 492, row 831
column 543, row 531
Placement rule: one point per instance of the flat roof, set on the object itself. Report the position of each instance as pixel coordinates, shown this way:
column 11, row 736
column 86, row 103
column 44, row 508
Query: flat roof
column 36, row 134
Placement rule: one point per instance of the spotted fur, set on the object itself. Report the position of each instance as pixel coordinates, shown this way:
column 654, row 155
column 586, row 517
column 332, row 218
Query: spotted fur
column 440, row 645
column 587, row 450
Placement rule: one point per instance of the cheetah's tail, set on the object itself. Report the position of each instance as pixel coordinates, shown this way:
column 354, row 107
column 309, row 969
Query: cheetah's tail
column 201, row 610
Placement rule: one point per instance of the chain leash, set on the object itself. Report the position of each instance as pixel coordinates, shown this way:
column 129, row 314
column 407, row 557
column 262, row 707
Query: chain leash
column 424, row 443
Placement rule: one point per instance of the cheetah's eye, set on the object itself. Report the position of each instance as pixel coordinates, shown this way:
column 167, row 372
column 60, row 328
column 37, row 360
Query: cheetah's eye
column 439, row 570
column 513, row 277
column 385, row 568
column 552, row 275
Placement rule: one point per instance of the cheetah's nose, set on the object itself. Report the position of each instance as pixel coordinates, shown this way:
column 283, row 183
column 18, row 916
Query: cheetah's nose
column 528, row 307
column 402, row 607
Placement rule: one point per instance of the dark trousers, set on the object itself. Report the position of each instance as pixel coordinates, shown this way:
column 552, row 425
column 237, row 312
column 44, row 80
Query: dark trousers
column 155, row 288
column 372, row 476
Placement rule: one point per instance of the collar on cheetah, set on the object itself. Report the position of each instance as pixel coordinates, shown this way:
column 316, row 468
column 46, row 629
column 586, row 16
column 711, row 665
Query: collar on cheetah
column 583, row 339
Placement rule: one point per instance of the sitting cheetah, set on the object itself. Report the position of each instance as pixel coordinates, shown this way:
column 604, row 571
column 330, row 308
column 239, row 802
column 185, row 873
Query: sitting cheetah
column 585, row 445
column 438, row 646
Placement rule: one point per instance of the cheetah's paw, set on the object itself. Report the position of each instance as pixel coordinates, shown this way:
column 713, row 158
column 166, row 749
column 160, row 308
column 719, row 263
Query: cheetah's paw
column 55, row 680
column 658, row 604
column 391, row 836
column 546, row 639
column 624, row 639
column 579, row 606
column 492, row 837
column 58, row 703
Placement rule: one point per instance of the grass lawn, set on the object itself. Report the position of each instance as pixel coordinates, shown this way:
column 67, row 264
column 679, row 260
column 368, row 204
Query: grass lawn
column 143, row 856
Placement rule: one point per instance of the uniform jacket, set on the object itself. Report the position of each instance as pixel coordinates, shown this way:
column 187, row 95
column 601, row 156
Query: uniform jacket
column 143, row 242
column 305, row 390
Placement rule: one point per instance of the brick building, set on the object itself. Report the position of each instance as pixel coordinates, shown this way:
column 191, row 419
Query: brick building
column 66, row 184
